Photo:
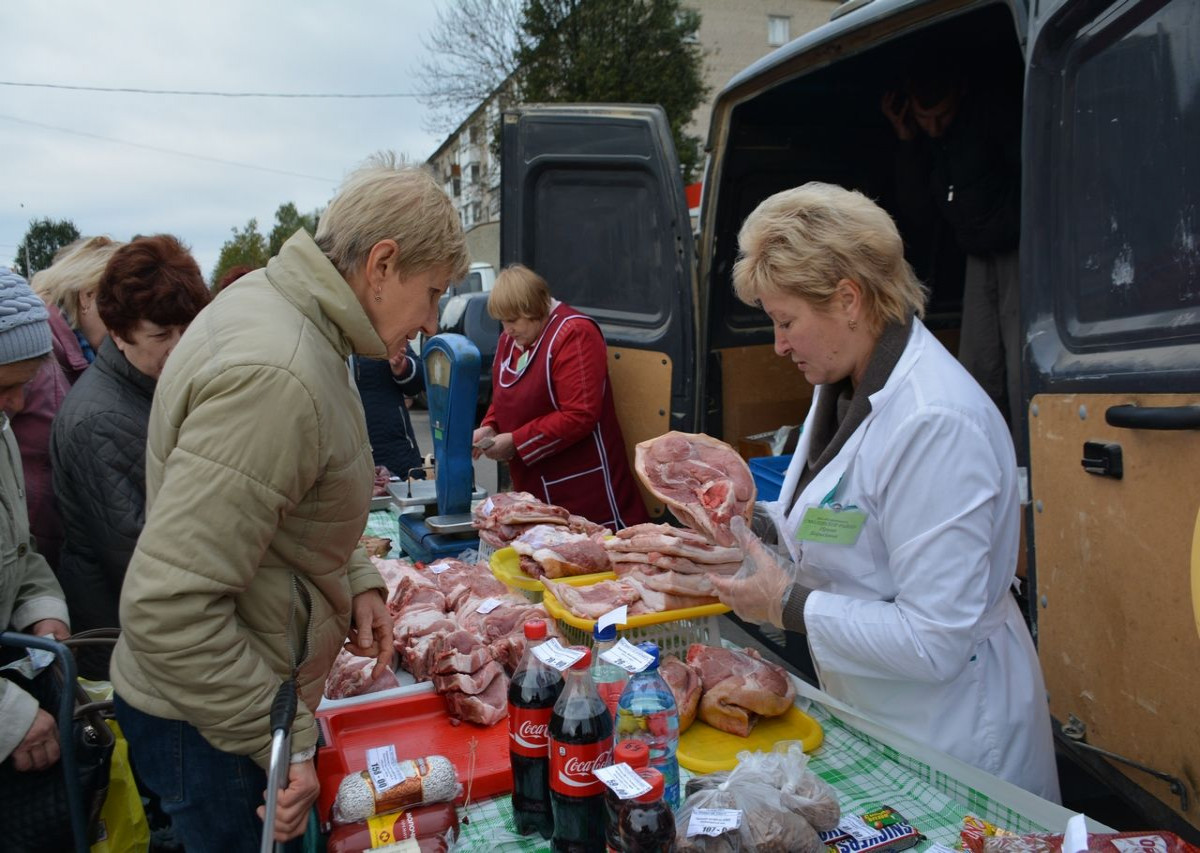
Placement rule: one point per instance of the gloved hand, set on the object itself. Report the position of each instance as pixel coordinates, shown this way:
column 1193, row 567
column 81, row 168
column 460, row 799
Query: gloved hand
column 758, row 591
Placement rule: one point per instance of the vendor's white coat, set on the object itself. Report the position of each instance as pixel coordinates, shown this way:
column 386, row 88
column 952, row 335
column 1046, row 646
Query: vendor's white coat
column 914, row 624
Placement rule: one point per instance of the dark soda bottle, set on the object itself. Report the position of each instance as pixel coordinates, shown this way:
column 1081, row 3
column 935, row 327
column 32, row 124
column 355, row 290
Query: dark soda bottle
column 646, row 823
column 531, row 696
column 636, row 754
column 580, row 741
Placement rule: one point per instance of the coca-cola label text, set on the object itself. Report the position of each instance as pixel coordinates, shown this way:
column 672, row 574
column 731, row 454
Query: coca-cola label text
column 572, row 767
column 528, row 730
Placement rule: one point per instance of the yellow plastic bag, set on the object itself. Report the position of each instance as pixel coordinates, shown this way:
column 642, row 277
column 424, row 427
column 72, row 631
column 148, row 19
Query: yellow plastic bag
column 122, row 827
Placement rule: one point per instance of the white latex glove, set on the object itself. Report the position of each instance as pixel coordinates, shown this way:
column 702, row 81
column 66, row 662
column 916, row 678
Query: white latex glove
column 760, row 587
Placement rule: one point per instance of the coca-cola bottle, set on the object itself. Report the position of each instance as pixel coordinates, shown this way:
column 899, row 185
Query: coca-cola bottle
column 581, row 739
column 531, row 696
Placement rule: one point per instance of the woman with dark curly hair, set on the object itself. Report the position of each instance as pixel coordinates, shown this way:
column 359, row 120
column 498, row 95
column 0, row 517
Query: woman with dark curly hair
column 148, row 294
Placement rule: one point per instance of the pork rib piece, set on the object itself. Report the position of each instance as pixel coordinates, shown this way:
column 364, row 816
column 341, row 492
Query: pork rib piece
column 516, row 508
column 485, row 708
column 704, row 481
column 562, row 553
column 351, row 676
column 739, row 687
column 657, row 601
column 594, row 600
column 685, row 686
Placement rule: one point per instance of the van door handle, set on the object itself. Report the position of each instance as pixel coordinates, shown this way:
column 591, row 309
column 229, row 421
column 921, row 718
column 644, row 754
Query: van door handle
column 1153, row 417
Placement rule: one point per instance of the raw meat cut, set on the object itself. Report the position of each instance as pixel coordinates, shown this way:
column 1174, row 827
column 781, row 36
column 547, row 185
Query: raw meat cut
column 562, row 553
column 382, row 477
column 704, row 481
column 470, row 683
column 593, row 600
column 739, row 687
column 658, row 600
column 516, row 508
column 685, row 686
column 486, row 708
column 678, row 583
column 351, row 676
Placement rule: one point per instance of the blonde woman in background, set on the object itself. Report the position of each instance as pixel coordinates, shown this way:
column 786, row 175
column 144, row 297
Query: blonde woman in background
column 70, row 283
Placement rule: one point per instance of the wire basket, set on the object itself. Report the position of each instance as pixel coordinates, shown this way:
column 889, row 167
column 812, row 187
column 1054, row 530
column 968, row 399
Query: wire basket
column 672, row 638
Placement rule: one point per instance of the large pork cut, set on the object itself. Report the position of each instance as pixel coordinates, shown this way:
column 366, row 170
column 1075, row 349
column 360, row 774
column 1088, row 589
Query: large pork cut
column 685, row 687
column 562, row 553
column 739, row 687
column 704, row 481
column 594, row 600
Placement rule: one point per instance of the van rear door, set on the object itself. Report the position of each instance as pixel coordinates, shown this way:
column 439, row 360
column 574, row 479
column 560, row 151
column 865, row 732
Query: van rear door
column 1111, row 302
column 592, row 200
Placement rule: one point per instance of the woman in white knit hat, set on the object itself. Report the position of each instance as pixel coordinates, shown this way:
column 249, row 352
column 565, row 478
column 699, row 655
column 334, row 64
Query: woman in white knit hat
column 30, row 598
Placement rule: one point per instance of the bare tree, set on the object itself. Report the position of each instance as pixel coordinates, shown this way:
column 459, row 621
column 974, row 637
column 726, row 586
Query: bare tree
column 472, row 50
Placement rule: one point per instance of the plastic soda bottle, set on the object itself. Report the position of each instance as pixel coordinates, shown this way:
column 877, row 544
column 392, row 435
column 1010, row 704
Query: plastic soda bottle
column 647, row 711
column 580, row 741
column 610, row 679
column 636, row 754
column 531, row 696
column 646, row 824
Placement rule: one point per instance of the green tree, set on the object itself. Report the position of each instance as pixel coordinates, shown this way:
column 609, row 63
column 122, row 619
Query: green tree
column 247, row 247
column 43, row 239
column 616, row 51
column 288, row 220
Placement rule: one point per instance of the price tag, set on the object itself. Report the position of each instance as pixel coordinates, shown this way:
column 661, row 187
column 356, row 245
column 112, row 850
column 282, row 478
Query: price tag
column 551, row 653
column 438, row 568
column 619, row 616
column 713, row 821
column 856, row 827
column 627, row 656
column 623, row 781
column 488, row 605
column 386, row 772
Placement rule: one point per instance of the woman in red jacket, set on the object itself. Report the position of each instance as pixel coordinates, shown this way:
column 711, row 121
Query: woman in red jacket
column 552, row 415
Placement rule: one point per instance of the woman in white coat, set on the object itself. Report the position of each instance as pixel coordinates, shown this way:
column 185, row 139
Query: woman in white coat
column 898, row 518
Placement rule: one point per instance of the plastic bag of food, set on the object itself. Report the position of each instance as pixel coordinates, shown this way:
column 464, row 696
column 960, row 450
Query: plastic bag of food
column 389, row 785
column 742, row 816
column 785, row 769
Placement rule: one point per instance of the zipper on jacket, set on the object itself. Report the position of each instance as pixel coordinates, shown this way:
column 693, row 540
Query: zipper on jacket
column 298, row 590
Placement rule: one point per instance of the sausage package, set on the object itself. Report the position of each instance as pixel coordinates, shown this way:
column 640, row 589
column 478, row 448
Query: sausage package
column 389, row 785
column 428, row 826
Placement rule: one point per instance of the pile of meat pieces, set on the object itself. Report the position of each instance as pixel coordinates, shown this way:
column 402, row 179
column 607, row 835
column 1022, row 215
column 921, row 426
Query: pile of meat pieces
column 550, row 541
column 730, row 690
column 441, row 635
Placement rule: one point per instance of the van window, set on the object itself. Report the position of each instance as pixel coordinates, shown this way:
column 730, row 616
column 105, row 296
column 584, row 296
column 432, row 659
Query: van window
column 1131, row 118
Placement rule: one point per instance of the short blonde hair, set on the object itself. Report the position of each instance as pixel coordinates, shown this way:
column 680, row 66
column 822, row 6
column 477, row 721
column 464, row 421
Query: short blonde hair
column 803, row 241
column 389, row 200
column 76, row 268
column 519, row 292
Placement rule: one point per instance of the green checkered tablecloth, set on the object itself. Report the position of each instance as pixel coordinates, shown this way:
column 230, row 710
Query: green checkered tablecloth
column 865, row 771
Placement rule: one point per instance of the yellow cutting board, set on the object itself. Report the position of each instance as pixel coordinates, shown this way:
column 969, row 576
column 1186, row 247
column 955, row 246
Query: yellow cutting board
column 703, row 749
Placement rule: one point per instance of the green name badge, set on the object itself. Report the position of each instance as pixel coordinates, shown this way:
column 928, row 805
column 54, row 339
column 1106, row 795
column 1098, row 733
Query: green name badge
column 523, row 361
column 831, row 526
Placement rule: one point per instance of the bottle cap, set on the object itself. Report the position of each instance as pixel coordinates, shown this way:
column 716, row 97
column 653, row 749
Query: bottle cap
column 635, row 753
column 603, row 635
column 652, row 650
column 535, row 629
column 585, row 661
column 656, row 782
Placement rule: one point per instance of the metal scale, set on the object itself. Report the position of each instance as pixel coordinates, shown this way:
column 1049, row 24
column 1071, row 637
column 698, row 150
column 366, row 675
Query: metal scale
column 435, row 515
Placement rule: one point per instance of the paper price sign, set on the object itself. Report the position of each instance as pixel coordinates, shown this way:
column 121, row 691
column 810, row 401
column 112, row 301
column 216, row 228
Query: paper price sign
column 438, row 568
column 627, row 656
column 618, row 616
column 623, row 781
column 386, row 772
column 855, row 826
column 551, row 653
column 488, row 605
column 713, row 821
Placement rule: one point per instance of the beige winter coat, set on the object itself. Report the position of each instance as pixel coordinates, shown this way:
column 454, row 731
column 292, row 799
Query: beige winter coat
column 258, row 484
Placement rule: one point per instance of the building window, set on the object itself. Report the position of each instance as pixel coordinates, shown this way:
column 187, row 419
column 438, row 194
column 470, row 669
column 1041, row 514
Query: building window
column 457, row 187
column 779, row 30
column 476, row 211
column 474, row 134
column 473, row 172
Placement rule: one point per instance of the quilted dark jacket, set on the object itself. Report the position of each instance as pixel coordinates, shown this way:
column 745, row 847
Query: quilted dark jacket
column 98, row 453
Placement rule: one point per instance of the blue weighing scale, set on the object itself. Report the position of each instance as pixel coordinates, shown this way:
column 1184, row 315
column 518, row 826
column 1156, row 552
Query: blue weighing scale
column 435, row 521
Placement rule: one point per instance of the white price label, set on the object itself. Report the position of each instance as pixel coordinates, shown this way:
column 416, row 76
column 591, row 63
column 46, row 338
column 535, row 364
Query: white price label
column 627, row 656
column 488, row 605
column 623, row 780
column 386, row 772
column 855, row 826
column 438, row 568
column 619, row 616
column 552, row 654
column 713, row 821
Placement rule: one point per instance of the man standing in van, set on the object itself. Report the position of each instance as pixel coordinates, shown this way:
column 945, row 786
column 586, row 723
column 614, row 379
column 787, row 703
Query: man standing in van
column 960, row 159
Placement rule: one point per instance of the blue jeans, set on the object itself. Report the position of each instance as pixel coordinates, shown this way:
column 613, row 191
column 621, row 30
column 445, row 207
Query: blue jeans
column 210, row 795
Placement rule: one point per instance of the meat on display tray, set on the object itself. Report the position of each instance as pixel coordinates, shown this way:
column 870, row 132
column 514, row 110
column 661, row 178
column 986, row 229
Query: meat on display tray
column 704, row 749
column 672, row 630
column 506, row 566
column 418, row 726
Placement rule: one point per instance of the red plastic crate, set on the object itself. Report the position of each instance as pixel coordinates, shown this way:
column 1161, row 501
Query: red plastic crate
column 418, row 726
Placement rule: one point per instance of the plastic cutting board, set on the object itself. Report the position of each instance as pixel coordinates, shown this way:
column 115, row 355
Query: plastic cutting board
column 703, row 749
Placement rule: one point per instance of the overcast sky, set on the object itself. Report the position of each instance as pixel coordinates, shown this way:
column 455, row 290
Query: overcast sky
column 110, row 187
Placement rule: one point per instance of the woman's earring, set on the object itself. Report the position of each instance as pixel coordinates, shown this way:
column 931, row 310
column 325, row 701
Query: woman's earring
column 378, row 295
column 853, row 325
